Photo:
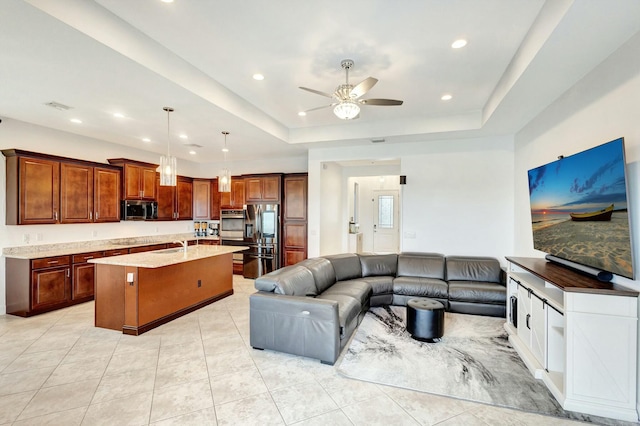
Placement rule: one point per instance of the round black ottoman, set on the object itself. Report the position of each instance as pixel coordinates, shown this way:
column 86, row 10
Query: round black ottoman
column 425, row 319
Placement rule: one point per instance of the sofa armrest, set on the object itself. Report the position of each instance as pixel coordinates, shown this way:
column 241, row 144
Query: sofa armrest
column 295, row 324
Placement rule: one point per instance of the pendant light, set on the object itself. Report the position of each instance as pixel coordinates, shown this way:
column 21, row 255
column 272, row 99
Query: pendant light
column 224, row 177
column 168, row 170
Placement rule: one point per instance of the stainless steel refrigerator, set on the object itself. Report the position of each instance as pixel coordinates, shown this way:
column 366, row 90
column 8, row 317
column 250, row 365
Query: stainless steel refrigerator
column 261, row 235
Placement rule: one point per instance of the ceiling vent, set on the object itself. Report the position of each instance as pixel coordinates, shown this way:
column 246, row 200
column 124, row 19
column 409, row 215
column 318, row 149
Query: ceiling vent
column 58, row 106
column 193, row 145
column 379, row 140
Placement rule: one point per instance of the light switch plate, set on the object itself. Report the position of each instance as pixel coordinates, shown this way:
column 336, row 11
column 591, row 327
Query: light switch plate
column 129, row 277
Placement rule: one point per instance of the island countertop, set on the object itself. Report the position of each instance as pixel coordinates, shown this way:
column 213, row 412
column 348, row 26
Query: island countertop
column 167, row 257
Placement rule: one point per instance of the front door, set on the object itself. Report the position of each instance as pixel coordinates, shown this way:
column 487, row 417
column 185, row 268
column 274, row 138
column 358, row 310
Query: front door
column 385, row 221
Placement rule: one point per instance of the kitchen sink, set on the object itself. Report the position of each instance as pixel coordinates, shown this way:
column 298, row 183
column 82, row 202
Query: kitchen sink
column 165, row 251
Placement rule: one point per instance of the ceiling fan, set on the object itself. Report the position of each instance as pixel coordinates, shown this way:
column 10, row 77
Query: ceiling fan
column 346, row 103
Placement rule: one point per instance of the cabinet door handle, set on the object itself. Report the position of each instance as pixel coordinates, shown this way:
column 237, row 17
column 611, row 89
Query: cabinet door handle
column 90, row 215
column 97, row 216
column 67, row 272
column 55, row 215
column 527, row 322
column 53, row 262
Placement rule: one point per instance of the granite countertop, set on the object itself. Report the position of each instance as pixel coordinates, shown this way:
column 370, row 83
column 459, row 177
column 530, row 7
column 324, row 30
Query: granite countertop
column 167, row 257
column 62, row 249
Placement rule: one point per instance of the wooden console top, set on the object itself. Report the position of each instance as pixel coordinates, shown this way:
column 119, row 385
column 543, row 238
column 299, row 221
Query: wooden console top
column 569, row 280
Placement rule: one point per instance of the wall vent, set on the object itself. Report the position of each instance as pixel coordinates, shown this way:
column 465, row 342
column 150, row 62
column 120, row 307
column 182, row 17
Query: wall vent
column 58, row 106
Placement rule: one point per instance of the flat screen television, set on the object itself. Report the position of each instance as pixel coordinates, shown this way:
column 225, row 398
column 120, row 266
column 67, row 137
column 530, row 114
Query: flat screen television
column 579, row 209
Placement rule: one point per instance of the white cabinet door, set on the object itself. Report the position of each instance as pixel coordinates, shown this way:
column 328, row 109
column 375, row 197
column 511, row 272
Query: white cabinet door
column 538, row 325
column 524, row 314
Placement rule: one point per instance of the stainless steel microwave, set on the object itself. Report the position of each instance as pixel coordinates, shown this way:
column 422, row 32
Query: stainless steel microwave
column 139, row 210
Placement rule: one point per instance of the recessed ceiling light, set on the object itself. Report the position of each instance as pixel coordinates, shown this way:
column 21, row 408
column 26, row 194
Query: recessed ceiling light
column 146, row 140
column 166, row 1
column 192, row 152
column 225, row 149
column 183, row 136
column 258, row 77
column 76, row 120
column 459, row 43
column 118, row 115
column 446, row 97
column 302, row 113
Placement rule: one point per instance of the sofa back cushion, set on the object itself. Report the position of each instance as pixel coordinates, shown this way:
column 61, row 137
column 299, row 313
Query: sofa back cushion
column 470, row 268
column 374, row 265
column 291, row 280
column 422, row 265
column 346, row 266
column 323, row 273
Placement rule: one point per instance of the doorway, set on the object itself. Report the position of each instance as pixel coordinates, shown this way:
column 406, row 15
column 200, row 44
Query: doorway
column 386, row 229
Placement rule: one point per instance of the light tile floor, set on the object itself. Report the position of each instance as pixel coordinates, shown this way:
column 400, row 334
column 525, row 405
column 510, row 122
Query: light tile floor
column 58, row 369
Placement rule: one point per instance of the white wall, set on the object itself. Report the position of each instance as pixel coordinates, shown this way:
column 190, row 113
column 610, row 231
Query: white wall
column 601, row 107
column 458, row 198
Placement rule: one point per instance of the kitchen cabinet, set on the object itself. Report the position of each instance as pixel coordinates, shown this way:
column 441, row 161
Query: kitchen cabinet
column 294, row 218
column 262, row 189
column 37, row 285
column 89, row 194
column 33, row 189
column 175, row 202
column 235, row 198
column 44, row 189
column 215, row 200
column 83, row 283
column 138, row 179
column 106, row 194
column 201, row 199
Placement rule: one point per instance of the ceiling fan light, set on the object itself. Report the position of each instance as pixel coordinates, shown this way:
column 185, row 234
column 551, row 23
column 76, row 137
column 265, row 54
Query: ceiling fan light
column 347, row 110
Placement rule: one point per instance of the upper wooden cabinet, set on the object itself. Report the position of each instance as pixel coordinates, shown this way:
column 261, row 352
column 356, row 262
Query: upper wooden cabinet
column 138, row 179
column 215, row 200
column 235, row 198
column 295, row 197
column 262, row 189
column 201, row 199
column 33, row 191
column 44, row 189
column 175, row 202
column 106, row 195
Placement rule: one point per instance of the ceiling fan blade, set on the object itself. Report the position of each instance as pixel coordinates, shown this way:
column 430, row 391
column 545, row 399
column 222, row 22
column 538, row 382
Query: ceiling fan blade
column 382, row 102
column 317, row 92
column 363, row 87
column 320, row 107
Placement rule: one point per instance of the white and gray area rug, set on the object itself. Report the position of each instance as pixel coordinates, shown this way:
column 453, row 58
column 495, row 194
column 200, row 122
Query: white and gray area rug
column 474, row 360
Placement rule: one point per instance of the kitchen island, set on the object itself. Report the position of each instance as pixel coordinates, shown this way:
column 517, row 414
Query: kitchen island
column 138, row 292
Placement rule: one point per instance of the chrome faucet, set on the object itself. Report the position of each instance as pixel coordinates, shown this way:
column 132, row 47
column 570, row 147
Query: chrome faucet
column 184, row 244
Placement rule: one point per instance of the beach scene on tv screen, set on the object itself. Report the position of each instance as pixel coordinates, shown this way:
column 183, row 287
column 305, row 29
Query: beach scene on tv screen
column 579, row 209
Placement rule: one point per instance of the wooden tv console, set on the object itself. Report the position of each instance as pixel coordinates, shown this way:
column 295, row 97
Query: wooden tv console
column 577, row 334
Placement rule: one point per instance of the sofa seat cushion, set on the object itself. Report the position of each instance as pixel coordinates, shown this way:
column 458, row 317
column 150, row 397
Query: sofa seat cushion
column 348, row 311
column 358, row 289
column 291, row 280
column 477, row 292
column 420, row 287
column 380, row 285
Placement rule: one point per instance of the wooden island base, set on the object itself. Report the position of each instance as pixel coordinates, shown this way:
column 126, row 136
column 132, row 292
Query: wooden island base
column 136, row 299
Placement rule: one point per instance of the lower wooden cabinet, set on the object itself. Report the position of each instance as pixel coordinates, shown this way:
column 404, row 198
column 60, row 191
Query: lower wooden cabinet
column 83, row 281
column 50, row 288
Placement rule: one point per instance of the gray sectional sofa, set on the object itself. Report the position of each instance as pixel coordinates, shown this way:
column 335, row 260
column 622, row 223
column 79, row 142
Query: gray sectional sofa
column 313, row 307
